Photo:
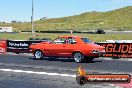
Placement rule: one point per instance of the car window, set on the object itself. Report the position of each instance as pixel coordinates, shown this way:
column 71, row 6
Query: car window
column 60, row 41
column 86, row 41
column 72, row 41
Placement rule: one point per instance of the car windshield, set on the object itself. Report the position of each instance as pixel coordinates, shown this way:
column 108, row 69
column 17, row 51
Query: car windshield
column 86, row 41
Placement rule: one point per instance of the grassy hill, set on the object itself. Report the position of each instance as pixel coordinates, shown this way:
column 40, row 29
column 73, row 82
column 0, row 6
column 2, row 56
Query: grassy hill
column 118, row 19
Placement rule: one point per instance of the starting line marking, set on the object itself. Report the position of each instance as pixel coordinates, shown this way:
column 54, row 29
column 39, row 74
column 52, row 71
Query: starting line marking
column 39, row 73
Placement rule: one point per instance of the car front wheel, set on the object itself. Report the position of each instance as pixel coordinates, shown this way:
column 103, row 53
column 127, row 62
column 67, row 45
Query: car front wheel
column 38, row 54
column 78, row 57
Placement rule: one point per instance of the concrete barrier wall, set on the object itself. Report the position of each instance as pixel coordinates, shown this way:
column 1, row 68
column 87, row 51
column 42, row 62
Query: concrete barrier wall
column 113, row 49
column 121, row 50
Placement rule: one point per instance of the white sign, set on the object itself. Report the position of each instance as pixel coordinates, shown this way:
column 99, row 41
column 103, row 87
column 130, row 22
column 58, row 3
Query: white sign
column 5, row 29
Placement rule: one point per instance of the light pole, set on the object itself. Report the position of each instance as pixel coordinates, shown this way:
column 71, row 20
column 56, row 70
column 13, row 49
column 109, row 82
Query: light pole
column 32, row 17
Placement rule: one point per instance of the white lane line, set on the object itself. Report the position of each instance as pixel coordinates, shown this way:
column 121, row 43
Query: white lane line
column 130, row 60
column 39, row 73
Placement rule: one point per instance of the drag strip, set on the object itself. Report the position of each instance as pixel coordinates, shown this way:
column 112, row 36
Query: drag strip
column 23, row 71
column 64, row 65
column 40, row 73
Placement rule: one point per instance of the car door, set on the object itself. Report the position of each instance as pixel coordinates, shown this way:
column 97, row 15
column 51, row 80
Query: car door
column 69, row 47
column 57, row 48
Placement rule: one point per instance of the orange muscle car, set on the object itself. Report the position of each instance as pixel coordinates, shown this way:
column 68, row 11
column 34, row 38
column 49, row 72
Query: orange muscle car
column 79, row 48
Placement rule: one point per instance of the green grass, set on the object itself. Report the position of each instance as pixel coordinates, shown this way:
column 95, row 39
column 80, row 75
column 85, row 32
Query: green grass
column 93, row 37
column 119, row 19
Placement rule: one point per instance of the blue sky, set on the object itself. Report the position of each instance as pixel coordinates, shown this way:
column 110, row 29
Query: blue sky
column 20, row 10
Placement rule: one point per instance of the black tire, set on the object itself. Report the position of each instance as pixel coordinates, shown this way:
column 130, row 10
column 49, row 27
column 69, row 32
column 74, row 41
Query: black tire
column 78, row 57
column 80, row 80
column 38, row 54
column 89, row 59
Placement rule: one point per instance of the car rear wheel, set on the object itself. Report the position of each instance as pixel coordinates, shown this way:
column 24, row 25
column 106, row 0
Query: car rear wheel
column 78, row 57
column 38, row 54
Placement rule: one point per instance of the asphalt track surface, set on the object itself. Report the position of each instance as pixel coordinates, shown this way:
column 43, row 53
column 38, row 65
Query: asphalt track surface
column 118, row 32
column 22, row 71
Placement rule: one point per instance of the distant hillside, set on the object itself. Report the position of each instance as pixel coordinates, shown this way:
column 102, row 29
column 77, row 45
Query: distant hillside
column 119, row 19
